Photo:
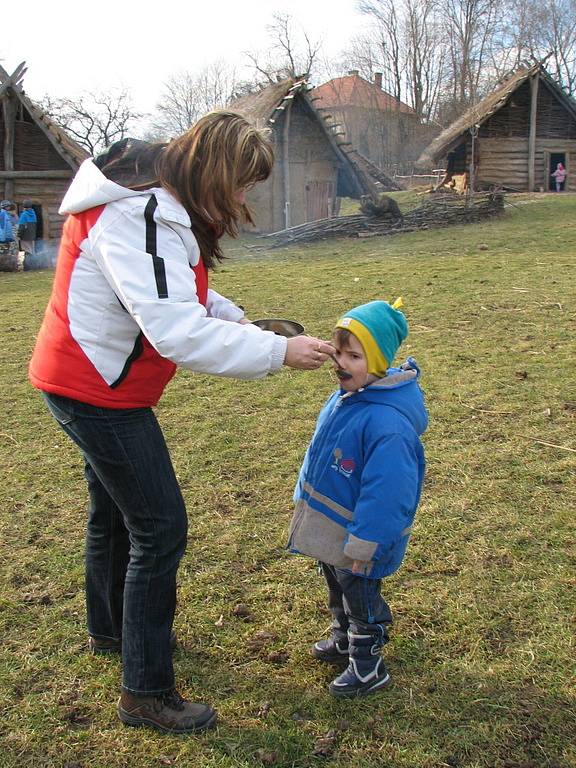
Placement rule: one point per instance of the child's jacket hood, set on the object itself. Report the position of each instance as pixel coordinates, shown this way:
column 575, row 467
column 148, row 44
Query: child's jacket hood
column 398, row 389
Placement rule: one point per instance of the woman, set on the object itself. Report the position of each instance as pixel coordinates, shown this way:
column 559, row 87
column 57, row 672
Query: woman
column 130, row 302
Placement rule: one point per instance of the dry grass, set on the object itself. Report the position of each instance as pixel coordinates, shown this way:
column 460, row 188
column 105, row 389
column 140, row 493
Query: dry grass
column 482, row 652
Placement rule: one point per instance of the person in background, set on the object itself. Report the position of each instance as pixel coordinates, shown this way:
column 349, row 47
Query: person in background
column 131, row 302
column 8, row 245
column 559, row 176
column 27, row 224
column 359, row 488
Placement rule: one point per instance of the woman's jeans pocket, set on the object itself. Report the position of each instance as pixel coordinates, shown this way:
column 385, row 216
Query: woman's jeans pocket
column 61, row 408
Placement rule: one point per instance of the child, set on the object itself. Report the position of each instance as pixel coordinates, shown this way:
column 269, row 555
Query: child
column 359, row 487
column 559, row 176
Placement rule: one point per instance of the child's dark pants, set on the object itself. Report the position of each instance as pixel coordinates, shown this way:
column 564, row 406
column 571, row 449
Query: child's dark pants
column 356, row 605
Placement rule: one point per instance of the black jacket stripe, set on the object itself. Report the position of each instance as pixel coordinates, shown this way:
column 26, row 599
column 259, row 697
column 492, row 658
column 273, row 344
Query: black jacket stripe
column 134, row 355
column 151, row 248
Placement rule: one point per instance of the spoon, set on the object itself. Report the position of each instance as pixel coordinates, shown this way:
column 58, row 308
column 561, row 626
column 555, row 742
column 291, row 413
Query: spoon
column 340, row 372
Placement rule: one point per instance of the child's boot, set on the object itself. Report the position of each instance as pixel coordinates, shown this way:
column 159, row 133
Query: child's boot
column 335, row 649
column 366, row 673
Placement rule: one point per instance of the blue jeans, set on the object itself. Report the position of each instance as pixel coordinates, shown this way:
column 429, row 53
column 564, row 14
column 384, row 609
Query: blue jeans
column 135, row 535
column 356, row 604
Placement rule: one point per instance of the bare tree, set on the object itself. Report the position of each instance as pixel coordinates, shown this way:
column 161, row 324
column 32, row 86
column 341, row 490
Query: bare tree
column 94, row 120
column 537, row 30
column 470, row 30
column 404, row 44
column 553, row 35
column 188, row 96
column 387, row 36
column 560, row 39
column 424, row 56
column 292, row 53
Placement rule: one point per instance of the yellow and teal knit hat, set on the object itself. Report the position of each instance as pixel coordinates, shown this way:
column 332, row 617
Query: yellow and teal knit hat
column 380, row 328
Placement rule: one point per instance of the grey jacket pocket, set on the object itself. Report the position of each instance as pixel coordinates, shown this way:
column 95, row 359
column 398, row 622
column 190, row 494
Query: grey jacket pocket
column 316, row 535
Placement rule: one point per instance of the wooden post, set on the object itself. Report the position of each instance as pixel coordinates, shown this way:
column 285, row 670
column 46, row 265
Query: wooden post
column 286, row 164
column 532, row 135
column 472, row 167
column 9, row 110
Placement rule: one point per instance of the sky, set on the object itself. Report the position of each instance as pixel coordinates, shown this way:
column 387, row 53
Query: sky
column 70, row 47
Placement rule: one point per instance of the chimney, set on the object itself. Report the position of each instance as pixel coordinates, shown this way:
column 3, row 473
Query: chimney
column 378, row 80
column 355, row 72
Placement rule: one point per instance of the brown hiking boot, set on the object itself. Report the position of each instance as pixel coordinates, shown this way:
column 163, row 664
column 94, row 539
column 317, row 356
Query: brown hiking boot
column 168, row 712
column 99, row 645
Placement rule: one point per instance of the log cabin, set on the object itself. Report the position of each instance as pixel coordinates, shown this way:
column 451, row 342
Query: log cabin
column 314, row 166
column 514, row 138
column 38, row 159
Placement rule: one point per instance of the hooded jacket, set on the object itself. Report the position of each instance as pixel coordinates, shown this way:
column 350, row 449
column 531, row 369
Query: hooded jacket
column 6, row 229
column 130, row 302
column 362, row 475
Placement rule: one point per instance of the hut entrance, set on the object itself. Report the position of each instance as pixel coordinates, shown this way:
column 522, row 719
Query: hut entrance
column 319, row 200
column 39, row 222
column 553, row 159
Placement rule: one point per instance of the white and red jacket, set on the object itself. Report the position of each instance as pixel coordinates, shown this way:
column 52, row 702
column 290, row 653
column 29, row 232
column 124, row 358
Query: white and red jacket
column 130, row 302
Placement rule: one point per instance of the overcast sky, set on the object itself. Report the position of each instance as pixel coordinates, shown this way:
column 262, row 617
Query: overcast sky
column 74, row 46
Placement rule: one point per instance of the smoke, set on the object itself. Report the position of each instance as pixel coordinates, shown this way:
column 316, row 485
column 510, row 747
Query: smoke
column 47, row 253
column 44, row 257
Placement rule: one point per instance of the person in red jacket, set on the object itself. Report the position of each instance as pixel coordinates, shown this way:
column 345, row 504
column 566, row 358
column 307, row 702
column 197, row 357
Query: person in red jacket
column 130, row 303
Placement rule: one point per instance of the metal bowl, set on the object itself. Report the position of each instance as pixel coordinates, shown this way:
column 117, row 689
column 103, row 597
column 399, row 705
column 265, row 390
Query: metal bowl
column 280, row 326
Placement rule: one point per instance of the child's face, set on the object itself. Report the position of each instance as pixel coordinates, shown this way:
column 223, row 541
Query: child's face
column 351, row 359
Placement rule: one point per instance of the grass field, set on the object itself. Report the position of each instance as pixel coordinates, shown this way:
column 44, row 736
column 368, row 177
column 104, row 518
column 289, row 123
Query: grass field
column 482, row 651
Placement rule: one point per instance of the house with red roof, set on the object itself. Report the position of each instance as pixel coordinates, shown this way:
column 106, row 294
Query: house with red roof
column 378, row 126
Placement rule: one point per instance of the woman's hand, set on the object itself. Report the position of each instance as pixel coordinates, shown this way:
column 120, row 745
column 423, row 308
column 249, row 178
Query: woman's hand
column 244, row 321
column 307, row 352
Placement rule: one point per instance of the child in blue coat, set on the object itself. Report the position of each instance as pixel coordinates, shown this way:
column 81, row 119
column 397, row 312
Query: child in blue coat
column 359, row 488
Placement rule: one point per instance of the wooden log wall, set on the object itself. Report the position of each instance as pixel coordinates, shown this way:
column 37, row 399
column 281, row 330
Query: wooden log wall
column 503, row 161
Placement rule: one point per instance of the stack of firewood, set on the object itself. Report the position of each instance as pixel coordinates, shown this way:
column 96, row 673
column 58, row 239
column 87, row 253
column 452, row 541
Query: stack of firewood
column 438, row 211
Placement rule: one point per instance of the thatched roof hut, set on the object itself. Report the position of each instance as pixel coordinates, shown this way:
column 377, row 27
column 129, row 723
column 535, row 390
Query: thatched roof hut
column 38, row 159
column 314, row 166
column 514, row 137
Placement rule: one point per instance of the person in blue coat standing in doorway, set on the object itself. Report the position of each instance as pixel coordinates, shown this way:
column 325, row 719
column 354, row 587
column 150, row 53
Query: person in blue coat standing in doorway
column 27, row 224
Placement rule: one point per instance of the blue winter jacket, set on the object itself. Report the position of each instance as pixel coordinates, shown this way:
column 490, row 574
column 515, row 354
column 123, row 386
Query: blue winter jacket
column 28, row 216
column 362, row 474
column 6, row 232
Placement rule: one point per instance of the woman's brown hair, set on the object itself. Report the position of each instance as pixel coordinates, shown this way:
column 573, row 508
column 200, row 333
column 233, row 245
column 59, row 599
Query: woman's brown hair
column 204, row 169
column 207, row 166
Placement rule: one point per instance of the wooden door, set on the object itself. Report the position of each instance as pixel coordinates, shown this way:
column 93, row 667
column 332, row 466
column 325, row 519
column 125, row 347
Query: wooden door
column 319, row 199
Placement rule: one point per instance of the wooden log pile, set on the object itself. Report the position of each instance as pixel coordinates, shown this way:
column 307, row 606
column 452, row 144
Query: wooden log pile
column 438, row 211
